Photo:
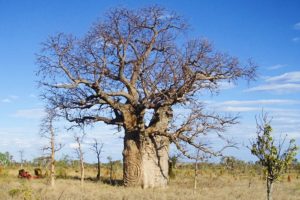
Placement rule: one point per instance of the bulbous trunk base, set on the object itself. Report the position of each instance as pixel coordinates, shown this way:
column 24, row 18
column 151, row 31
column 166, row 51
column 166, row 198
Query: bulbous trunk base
column 146, row 161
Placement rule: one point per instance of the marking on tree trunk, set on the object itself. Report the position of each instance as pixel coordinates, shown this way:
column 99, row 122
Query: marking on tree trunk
column 133, row 172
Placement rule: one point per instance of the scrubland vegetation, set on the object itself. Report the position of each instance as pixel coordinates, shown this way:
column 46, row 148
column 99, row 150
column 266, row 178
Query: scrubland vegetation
column 136, row 71
column 230, row 179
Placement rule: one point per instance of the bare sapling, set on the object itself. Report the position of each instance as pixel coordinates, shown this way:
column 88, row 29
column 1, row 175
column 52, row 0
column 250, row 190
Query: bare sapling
column 47, row 130
column 97, row 147
column 80, row 154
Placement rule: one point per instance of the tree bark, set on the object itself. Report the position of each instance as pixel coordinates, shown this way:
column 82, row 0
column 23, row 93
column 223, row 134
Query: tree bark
column 155, row 162
column 132, row 160
column 195, row 174
column 52, row 170
column 81, row 168
column 98, row 169
column 269, row 189
column 145, row 160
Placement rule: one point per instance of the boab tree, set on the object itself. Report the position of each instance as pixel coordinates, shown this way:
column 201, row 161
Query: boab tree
column 135, row 63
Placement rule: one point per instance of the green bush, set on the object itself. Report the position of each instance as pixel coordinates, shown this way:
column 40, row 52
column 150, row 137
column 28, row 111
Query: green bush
column 62, row 173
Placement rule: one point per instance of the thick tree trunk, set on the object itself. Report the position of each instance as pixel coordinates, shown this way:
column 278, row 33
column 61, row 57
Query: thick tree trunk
column 145, row 160
column 155, row 160
column 132, row 160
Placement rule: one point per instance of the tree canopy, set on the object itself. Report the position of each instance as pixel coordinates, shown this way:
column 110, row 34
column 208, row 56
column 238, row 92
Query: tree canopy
column 136, row 61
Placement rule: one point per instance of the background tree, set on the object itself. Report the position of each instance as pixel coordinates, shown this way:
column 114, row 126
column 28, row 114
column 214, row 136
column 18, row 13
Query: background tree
column 197, row 158
column 79, row 151
column 274, row 158
column 5, row 159
column 111, row 165
column 21, row 152
column 97, row 146
column 47, row 131
column 133, row 64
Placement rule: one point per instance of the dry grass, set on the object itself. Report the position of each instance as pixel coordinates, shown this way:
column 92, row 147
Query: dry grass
column 210, row 186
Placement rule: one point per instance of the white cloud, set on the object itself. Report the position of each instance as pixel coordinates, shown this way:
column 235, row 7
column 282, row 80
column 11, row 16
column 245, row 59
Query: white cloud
column 257, row 105
column 238, row 109
column 35, row 113
column 278, row 66
column 285, row 83
column 167, row 16
column 296, row 39
column 293, row 135
column 286, row 120
column 288, row 77
column 9, row 99
column 14, row 97
column 297, row 26
column 226, row 85
column 295, row 113
column 262, row 102
column 278, row 88
column 73, row 145
column 32, row 96
column 6, row 100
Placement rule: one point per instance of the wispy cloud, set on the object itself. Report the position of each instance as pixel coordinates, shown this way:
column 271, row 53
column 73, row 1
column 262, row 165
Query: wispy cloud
column 277, row 88
column 32, row 96
column 296, row 39
column 254, row 105
column 74, row 145
column 297, row 26
column 289, row 77
column 278, row 66
column 238, row 109
column 262, row 102
column 34, row 113
column 9, row 99
column 285, row 83
column 14, row 97
column 6, row 100
column 226, row 85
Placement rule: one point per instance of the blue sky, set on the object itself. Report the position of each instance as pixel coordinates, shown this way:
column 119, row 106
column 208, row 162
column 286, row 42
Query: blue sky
column 266, row 31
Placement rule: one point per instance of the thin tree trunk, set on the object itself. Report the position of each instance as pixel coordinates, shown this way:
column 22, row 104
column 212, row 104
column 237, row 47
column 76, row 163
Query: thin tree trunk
column 196, row 169
column 81, row 171
column 80, row 154
column 269, row 189
column 98, row 169
column 196, row 174
column 52, row 170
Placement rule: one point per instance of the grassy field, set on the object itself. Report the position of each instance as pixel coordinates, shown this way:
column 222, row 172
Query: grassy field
column 212, row 184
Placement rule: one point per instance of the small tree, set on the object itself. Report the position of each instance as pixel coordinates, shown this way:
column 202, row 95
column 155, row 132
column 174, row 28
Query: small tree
column 196, row 169
column 5, row 160
column 199, row 157
column 97, row 148
column 110, row 162
column 79, row 140
column 274, row 158
column 21, row 157
column 48, row 131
